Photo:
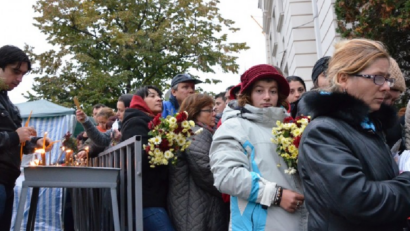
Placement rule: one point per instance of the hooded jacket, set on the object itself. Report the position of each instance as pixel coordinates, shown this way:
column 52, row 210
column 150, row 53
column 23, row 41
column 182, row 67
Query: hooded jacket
column 244, row 163
column 154, row 180
column 193, row 202
column 10, row 121
column 350, row 179
column 170, row 107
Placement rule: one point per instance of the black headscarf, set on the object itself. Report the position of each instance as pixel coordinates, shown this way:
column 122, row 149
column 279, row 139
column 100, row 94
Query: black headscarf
column 320, row 66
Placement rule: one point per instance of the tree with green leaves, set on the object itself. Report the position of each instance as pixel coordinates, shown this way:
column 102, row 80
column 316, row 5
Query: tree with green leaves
column 387, row 21
column 105, row 48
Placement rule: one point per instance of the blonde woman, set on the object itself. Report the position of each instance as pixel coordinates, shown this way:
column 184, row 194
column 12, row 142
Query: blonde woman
column 350, row 179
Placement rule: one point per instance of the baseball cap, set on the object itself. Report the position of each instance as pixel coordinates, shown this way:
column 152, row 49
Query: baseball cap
column 180, row 78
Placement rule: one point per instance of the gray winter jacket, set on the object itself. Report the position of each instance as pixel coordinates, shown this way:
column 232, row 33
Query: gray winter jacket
column 98, row 141
column 193, row 202
column 244, row 163
column 102, row 139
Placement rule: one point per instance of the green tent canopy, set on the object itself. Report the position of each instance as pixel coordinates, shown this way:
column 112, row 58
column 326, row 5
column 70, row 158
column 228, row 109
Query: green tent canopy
column 42, row 109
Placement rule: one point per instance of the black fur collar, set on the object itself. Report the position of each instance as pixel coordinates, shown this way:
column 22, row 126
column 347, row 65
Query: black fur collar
column 346, row 107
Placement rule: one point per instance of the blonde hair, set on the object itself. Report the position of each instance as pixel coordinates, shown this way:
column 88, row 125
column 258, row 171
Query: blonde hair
column 351, row 57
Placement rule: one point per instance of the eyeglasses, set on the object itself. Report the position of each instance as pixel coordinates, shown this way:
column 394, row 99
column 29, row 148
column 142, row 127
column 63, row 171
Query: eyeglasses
column 208, row 110
column 379, row 79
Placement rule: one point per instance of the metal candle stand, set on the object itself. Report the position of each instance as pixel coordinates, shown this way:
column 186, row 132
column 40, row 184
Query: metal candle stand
column 89, row 208
column 66, row 177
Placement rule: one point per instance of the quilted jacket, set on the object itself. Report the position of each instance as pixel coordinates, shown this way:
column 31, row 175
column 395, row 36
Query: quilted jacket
column 193, row 202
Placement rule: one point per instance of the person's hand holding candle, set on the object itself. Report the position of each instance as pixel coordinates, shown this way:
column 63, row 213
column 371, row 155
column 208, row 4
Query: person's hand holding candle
column 80, row 115
column 48, row 144
column 25, row 133
column 82, row 154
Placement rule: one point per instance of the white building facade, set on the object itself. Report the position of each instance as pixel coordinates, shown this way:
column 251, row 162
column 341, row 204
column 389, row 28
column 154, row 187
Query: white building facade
column 298, row 33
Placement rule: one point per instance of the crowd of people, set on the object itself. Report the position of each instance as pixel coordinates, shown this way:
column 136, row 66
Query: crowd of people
column 231, row 177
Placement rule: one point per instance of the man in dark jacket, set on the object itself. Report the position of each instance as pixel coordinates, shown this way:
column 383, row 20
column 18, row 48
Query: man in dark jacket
column 14, row 64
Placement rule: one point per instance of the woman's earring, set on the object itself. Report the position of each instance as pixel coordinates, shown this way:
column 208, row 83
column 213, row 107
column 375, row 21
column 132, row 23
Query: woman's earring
column 344, row 90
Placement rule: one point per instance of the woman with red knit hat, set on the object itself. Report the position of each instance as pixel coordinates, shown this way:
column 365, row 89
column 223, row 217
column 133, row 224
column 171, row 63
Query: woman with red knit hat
column 244, row 161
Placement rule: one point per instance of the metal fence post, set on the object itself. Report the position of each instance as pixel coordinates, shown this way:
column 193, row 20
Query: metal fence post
column 127, row 156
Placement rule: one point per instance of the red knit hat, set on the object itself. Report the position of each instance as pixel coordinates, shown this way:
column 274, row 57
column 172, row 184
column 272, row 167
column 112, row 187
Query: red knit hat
column 264, row 71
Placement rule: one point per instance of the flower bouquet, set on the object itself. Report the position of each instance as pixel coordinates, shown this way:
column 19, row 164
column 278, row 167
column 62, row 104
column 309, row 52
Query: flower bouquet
column 287, row 137
column 169, row 135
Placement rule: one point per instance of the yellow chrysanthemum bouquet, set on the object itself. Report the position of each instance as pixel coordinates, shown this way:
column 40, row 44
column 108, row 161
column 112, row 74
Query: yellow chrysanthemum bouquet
column 287, row 136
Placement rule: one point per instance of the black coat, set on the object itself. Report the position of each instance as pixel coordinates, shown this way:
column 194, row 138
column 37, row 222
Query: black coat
column 154, row 180
column 10, row 121
column 394, row 134
column 194, row 203
column 350, row 179
column 298, row 108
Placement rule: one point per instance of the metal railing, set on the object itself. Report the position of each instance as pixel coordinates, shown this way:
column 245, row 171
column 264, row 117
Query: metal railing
column 126, row 156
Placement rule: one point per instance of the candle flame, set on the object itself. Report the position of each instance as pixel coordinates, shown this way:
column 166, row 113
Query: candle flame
column 34, row 162
column 40, row 150
column 86, row 148
column 63, row 148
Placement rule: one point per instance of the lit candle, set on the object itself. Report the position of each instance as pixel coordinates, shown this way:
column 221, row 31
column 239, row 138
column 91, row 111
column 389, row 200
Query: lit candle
column 35, row 161
column 68, row 156
column 43, row 156
column 22, row 144
column 87, row 149
column 37, row 157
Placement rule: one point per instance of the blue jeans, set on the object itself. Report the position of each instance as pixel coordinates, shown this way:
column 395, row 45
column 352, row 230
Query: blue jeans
column 156, row 219
column 6, row 206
